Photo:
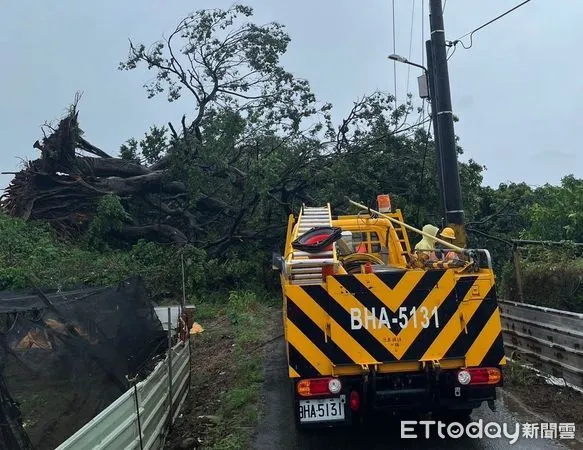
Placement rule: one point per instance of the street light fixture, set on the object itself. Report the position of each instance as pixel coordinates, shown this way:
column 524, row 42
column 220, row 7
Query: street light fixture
column 404, row 60
column 422, row 81
column 398, row 58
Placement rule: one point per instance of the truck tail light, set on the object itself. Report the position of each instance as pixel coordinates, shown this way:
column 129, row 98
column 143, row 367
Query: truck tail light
column 479, row 376
column 318, row 386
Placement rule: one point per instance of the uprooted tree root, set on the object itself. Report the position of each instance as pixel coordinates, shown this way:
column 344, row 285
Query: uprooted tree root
column 64, row 185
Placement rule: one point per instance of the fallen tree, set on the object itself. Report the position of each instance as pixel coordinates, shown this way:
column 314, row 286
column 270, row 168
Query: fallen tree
column 64, row 185
column 257, row 145
column 217, row 179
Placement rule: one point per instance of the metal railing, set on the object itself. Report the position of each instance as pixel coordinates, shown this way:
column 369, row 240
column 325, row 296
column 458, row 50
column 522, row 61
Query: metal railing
column 139, row 418
column 549, row 339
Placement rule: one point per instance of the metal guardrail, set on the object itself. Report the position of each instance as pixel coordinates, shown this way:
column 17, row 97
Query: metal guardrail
column 550, row 339
column 140, row 417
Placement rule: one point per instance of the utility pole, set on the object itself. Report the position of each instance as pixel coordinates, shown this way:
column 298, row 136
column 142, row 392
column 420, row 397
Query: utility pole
column 433, row 102
column 454, row 213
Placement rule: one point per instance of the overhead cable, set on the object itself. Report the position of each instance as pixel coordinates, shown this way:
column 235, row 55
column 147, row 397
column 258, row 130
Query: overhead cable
column 394, row 52
column 410, row 45
column 471, row 33
column 422, row 32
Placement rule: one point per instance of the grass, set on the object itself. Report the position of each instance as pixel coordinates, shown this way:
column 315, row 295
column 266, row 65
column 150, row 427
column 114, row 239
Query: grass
column 240, row 402
column 227, row 372
column 518, row 375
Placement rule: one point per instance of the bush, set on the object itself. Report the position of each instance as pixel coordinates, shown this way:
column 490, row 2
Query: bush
column 29, row 250
column 110, row 217
column 550, row 277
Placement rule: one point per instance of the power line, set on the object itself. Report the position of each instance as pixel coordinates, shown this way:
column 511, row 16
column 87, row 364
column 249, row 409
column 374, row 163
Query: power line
column 421, row 175
column 410, row 45
column 452, row 52
column 394, row 52
column 422, row 32
column 489, row 236
column 471, row 33
column 423, row 103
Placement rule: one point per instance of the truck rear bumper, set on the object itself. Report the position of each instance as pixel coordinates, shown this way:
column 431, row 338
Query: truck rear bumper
column 422, row 393
column 419, row 392
column 424, row 400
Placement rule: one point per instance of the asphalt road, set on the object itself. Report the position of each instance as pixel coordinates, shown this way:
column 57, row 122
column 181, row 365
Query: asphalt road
column 277, row 430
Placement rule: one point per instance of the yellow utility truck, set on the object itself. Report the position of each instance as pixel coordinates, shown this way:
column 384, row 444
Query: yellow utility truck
column 373, row 327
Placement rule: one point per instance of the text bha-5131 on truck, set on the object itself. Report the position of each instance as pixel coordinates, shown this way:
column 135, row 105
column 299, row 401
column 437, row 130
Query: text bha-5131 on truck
column 372, row 327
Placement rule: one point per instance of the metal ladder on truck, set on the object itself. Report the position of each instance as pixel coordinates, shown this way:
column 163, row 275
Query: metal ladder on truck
column 401, row 232
column 306, row 268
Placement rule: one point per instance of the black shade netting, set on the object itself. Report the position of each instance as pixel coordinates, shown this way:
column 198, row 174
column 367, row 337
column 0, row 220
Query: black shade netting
column 61, row 365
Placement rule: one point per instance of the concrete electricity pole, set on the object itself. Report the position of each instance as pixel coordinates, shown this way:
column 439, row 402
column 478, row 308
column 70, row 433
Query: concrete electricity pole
column 454, row 213
column 433, row 103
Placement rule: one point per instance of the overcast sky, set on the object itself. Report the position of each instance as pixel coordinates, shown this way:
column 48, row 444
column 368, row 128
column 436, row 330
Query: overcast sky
column 517, row 92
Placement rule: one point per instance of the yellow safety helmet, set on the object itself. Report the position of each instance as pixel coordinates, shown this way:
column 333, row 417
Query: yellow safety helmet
column 447, row 233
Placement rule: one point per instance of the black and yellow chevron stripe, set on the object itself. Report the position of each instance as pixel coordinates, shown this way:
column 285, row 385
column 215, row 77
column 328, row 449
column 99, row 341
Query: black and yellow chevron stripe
column 321, row 341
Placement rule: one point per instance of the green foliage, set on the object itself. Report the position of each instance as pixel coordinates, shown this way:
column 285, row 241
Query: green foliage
column 557, row 213
column 161, row 266
column 238, row 408
column 248, row 153
column 505, row 210
column 154, row 144
column 222, row 58
column 129, row 150
column 471, row 181
column 260, row 145
column 517, row 211
column 110, row 217
column 380, row 161
column 149, row 150
column 28, row 250
column 19, row 243
column 242, row 308
column 235, row 271
column 519, row 375
column 551, row 277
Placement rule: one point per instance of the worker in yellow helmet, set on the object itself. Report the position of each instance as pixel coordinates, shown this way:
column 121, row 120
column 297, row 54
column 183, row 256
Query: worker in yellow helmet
column 448, row 235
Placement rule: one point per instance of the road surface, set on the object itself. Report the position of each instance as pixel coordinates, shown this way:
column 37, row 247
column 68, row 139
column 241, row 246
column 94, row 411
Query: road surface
column 277, row 431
